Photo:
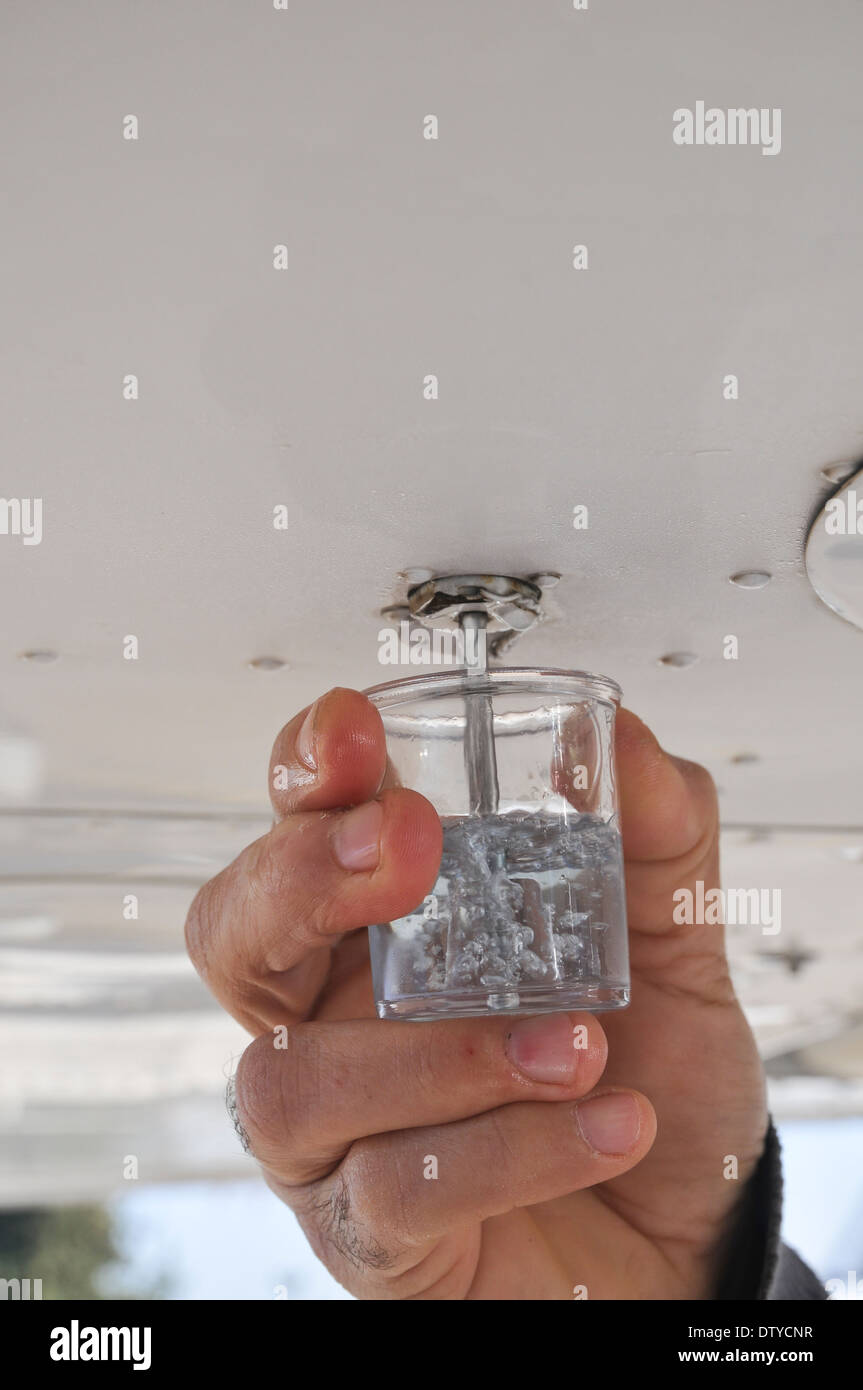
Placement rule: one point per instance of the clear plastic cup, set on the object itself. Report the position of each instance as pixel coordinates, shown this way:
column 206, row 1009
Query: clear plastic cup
column 528, row 913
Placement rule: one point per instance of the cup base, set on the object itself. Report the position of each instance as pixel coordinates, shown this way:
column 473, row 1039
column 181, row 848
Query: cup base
column 486, row 1004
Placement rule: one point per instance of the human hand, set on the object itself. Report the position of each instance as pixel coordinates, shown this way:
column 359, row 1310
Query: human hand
column 551, row 1173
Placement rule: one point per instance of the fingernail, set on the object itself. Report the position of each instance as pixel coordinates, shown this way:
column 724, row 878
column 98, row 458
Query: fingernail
column 356, row 839
column 544, row 1048
column 609, row 1124
column 305, row 744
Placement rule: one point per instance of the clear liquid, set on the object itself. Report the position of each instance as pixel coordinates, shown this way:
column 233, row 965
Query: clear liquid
column 523, row 904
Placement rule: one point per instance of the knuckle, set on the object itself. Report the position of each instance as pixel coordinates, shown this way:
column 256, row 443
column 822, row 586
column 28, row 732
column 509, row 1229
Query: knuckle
column 389, row 1195
column 201, row 925
column 302, row 1082
column 286, row 886
column 280, row 1092
column 193, row 930
column 340, row 1232
column 258, row 1095
column 270, row 875
column 370, row 1197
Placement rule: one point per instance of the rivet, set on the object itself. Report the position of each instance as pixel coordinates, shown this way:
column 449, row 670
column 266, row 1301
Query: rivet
column 43, row 656
column 267, row 663
column 750, row 579
column 678, row 659
column 838, row 472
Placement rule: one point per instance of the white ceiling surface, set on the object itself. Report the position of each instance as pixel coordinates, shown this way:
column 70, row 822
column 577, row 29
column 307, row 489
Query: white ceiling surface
column 304, row 388
column 407, row 257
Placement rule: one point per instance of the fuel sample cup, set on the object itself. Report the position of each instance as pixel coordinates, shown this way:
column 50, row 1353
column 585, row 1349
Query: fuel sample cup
column 528, row 913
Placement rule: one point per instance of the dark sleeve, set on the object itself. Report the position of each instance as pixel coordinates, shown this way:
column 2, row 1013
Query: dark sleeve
column 756, row 1265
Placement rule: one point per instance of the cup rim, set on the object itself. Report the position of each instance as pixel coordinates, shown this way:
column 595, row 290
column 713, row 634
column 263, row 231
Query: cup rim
column 547, row 680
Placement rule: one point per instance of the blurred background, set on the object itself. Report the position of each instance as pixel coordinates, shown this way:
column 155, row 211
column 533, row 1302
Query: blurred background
column 167, row 391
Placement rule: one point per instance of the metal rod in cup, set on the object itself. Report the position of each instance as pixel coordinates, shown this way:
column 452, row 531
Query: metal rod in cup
column 479, row 754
